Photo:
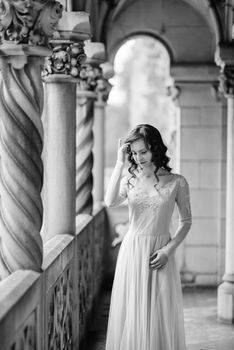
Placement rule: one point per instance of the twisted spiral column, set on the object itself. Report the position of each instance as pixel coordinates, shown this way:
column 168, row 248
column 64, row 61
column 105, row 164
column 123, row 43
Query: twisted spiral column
column 21, row 168
column 84, row 154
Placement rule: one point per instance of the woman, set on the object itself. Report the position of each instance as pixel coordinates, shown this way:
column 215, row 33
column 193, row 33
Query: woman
column 146, row 311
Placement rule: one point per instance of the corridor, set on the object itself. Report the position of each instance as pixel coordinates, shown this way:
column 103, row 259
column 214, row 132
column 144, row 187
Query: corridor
column 74, row 81
column 203, row 331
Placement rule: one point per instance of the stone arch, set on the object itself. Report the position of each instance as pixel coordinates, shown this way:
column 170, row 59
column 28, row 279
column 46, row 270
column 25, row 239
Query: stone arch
column 210, row 14
column 190, row 30
column 147, row 54
column 148, row 33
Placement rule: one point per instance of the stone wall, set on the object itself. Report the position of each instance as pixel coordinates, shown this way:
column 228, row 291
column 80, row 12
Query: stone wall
column 203, row 163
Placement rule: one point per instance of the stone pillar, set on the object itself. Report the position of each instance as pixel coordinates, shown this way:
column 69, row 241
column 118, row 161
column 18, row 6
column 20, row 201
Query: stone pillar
column 98, row 149
column 90, row 77
column 103, row 89
column 226, row 289
column 24, row 44
column 61, row 76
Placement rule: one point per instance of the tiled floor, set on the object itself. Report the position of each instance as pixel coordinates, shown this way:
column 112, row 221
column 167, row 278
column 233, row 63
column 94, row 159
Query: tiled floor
column 203, row 331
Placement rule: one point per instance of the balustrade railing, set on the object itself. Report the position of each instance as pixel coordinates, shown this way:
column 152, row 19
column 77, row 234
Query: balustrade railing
column 51, row 309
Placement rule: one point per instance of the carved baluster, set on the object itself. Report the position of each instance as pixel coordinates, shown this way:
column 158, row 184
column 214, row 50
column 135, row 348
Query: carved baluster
column 24, row 39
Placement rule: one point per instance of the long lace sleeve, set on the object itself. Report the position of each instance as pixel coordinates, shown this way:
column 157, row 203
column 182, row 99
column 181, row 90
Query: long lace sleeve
column 117, row 188
column 185, row 216
column 183, row 202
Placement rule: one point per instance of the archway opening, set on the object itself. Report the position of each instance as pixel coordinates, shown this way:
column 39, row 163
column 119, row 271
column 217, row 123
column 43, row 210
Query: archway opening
column 141, row 93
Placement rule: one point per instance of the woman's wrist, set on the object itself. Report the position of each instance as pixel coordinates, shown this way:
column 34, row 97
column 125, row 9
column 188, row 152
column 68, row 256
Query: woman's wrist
column 165, row 250
column 119, row 163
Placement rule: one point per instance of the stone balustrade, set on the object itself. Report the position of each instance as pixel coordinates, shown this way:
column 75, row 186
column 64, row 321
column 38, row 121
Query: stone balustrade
column 51, row 309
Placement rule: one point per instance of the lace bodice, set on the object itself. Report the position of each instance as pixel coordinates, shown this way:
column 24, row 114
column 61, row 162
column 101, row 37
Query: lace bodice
column 151, row 213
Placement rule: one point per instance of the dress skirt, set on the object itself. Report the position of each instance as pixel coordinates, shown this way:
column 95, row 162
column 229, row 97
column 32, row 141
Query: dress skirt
column 146, row 311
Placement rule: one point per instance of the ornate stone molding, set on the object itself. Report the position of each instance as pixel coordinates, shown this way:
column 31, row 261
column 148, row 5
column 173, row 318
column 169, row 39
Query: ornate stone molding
column 28, row 22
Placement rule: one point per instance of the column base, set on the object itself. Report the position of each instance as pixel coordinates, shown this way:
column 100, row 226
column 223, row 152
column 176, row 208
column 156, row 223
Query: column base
column 226, row 302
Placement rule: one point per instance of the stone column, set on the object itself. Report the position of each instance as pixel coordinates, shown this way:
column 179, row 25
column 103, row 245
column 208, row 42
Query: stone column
column 98, row 149
column 24, row 44
column 61, row 76
column 90, row 77
column 103, row 89
column 226, row 289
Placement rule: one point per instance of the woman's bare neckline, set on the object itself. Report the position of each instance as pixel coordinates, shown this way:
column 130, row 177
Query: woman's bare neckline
column 152, row 183
column 160, row 172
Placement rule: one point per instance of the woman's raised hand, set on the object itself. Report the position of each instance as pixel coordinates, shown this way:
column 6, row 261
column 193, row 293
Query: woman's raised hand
column 122, row 150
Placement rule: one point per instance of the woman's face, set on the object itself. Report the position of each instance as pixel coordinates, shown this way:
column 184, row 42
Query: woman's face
column 141, row 155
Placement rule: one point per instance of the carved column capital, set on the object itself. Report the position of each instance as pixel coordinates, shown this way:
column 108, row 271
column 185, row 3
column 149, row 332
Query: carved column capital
column 103, row 89
column 104, row 86
column 66, row 59
column 226, row 81
column 68, row 48
column 173, row 91
column 89, row 76
column 224, row 58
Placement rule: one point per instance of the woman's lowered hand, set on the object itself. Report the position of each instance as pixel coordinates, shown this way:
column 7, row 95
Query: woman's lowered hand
column 158, row 259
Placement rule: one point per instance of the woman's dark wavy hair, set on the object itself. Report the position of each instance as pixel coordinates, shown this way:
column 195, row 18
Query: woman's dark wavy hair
column 153, row 142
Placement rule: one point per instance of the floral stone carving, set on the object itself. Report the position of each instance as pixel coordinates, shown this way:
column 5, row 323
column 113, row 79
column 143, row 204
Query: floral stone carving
column 66, row 59
column 28, row 21
column 226, row 80
column 89, row 77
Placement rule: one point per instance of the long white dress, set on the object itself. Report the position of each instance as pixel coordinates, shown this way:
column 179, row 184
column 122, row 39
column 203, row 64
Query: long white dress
column 146, row 311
